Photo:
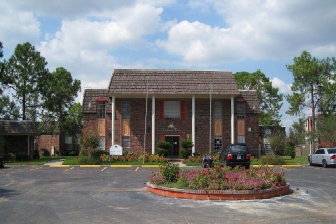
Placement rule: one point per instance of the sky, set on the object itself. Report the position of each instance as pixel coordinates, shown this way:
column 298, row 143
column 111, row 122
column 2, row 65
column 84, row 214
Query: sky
column 91, row 38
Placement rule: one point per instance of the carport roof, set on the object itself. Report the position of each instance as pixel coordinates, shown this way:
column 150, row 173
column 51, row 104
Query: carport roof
column 18, row 128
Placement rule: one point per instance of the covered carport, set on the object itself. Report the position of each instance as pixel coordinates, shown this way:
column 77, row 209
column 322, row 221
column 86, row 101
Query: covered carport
column 17, row 137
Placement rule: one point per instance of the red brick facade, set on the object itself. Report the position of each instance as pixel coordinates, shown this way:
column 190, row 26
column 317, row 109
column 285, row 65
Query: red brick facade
column 172, row 85
column 183, row 127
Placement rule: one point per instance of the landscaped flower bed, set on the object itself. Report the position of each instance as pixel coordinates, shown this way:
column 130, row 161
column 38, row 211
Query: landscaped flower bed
column 218, row 178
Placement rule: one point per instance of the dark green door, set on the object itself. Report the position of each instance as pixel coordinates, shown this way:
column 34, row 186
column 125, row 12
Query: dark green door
column 175, row 142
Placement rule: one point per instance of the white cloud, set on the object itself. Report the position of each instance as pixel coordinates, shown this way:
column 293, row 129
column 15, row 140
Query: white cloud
column 17, row 27
column 283, row 87
column 257, row 29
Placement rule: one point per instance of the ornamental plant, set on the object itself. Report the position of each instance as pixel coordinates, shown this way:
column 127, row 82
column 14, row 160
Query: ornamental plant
column 219, row 178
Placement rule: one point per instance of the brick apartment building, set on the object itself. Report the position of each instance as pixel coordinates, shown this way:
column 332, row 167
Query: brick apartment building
column 180, row 104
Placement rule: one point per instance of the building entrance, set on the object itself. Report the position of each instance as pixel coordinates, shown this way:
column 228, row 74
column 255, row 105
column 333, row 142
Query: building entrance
column 175, row 142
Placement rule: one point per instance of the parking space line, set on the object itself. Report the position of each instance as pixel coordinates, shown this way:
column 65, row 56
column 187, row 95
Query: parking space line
column 89, row 166
column 104, row 168
column 150, row 166
column 121, row 166
column 136, row 169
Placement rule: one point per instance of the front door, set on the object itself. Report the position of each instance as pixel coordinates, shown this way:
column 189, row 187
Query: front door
column 175, row 144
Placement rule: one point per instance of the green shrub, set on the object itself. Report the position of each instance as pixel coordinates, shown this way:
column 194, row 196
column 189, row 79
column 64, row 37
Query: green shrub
column 170, row 172
column 10, row 157
column 45, row 152
column 162, row 152
column 97, row 153
column 187, row 144
column 164, row 145
column 185, row 153
column 85, row 160
column 272, row 160
column 22, row 157
column 290, row 150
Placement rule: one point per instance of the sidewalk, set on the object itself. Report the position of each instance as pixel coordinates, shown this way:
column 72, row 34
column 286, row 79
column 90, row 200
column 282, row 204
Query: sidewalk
column 54, row 162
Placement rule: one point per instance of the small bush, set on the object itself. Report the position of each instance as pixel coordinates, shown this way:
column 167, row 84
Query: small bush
column 22, row 157
column 97, row 153
column 45, row 152
column 162, row 152
column 170, row 172
column 274, row 160
column 84, row 160
column 164, row 145
column 185, row 153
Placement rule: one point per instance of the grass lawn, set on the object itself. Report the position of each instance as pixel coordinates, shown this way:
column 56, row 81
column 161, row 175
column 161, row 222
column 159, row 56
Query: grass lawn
column 72, row 160
column 298, row 160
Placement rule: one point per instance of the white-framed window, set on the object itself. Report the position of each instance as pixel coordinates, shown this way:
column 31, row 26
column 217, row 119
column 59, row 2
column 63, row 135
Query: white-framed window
column 125, row 143
column 240, row 110
column 218, row 143
column 241, row 139
column 218, row 110
column 172, row 110
column 125, row 110
column 100, row 109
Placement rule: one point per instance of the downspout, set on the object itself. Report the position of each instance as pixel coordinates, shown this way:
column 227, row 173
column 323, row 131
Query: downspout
column 232, row 120
column 113, row 120
column 153, row 124
column 193, row 124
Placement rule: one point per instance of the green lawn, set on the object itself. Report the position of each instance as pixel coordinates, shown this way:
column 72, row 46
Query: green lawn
column 72, row 160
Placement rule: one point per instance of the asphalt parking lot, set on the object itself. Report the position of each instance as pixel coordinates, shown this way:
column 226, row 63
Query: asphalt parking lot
column 43, row 194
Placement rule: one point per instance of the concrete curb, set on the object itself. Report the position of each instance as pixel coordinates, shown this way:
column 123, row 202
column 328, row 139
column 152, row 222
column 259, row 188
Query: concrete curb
column 217, row 194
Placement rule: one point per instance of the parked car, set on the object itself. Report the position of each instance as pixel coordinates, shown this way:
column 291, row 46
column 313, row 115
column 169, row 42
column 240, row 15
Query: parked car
column 235, row 155
column 323, row 156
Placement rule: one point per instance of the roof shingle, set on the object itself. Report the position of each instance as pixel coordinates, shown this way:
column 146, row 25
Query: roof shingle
column 18, row 128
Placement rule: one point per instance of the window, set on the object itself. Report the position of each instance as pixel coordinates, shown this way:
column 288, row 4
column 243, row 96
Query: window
column 240, row 110
column 218, row 144
column 218, row 110
column 172, row 110
column 125, row 110
column 125, row 143
column 241, row 139
column 101, row 109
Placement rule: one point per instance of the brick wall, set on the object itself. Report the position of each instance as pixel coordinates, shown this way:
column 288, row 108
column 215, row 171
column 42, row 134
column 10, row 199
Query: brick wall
column 47, row 141
column 183, row 127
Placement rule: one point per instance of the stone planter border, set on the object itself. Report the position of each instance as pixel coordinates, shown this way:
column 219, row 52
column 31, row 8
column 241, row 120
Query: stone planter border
column 217, row 194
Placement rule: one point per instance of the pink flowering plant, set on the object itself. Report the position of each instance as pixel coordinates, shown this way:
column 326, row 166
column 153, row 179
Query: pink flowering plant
column 220, row 178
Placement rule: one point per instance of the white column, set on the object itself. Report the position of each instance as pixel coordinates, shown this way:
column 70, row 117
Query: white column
column 232, row 120
column 153, row 124
column 193, row 123
column 28, row 146
column 113, row 120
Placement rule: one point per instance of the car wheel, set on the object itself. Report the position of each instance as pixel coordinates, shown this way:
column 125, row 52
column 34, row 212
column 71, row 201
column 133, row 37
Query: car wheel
column 324, row 163
column 309, row 162
column 247, row 167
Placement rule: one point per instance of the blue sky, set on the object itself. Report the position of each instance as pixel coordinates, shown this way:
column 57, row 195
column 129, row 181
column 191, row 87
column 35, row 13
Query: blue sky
column 91, row 38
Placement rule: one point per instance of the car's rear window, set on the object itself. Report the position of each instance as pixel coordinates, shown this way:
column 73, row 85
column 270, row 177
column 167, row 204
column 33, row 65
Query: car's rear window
column 331, row 151
column 239, row 148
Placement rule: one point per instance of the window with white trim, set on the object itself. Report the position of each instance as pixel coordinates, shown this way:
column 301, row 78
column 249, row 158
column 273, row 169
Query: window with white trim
column 100, row 109
column 218, row 110
column 172, row 110
column 125, row 143
column 240, row 110
column 125, row 110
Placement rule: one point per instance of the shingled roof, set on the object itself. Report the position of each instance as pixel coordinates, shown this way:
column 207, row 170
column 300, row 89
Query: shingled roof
column 172, row 82
column 252, row 100
column 18, row 128
column 90, row 97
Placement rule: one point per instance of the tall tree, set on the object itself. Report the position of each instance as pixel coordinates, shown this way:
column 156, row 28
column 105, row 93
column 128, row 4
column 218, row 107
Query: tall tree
column 269, row 97
column 312, row 87
column 25, row 74
column 61, row 94
column 326, row 128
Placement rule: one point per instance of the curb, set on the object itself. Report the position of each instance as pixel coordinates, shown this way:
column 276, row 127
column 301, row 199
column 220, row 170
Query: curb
column 217, row 194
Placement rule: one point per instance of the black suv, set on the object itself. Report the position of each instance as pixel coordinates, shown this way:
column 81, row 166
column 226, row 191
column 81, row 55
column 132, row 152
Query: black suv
column 235, row 155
